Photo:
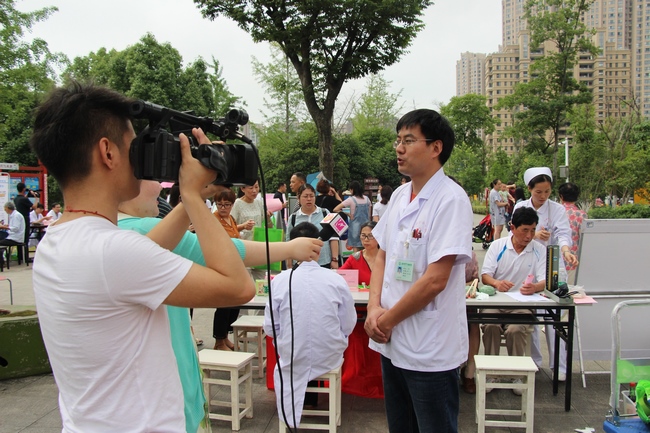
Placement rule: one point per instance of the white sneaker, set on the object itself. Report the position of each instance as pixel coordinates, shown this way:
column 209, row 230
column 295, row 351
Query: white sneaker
column 489, row 381
column 561, row 377
column 518, row 391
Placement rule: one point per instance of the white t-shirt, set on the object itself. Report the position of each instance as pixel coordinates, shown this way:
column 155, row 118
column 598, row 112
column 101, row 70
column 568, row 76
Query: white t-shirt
column 502, row 262
column 99, row 293
column 378, row 209
column 55, row 216
column 436, row 223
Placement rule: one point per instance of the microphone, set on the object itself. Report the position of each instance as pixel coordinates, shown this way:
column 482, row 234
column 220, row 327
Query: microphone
column 334, row 224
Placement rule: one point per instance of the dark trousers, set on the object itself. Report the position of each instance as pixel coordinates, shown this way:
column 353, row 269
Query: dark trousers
column 417, row 401
column 223, row 318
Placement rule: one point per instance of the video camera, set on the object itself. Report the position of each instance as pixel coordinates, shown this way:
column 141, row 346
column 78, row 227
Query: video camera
column 156, row 154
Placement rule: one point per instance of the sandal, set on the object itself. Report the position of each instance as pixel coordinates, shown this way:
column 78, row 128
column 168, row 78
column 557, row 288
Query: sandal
column 198, row 341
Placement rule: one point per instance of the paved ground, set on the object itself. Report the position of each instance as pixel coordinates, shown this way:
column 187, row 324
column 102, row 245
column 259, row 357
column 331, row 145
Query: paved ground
column 29, row 405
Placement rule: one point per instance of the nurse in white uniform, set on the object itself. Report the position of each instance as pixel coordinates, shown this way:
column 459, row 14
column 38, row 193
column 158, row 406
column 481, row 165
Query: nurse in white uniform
column 553, row 229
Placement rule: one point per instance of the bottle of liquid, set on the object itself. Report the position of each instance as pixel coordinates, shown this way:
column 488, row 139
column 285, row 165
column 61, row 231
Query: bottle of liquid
column 633, row 391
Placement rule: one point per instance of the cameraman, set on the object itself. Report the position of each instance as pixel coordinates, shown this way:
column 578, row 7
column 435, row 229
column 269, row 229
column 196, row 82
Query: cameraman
column 100, row 290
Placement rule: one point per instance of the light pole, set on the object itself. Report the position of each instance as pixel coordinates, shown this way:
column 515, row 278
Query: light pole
column 566, row 157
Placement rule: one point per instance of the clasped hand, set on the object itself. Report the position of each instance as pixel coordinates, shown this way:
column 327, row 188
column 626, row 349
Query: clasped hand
column 373, row 327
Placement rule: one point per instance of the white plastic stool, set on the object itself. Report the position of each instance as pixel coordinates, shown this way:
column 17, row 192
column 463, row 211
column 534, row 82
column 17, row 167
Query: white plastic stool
column 333, row 412
column 240, row 329
column 233, row 363
column 519, row 366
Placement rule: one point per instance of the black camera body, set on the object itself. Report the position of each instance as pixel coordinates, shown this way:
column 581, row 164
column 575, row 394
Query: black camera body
column 156, row 154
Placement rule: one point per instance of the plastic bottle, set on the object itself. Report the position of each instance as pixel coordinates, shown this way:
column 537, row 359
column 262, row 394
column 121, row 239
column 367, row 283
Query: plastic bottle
column 633, row 391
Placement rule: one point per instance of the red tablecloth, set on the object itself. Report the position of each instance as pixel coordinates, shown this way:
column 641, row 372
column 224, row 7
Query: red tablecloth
column 361, row 374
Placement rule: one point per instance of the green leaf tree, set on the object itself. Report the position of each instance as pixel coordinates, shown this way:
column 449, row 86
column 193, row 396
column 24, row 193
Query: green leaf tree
column 470, row 118
column 154, row 72
column 552, row 91
column 377, row 107
column 26, row 72
column 328, row 43
column 285, row 101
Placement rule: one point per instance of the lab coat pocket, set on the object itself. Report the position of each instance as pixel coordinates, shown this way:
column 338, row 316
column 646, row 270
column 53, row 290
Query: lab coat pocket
column 418, row 254
column 422, row 335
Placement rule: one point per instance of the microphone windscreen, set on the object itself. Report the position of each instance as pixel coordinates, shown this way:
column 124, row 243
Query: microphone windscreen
column 326, row 233
column 337, row 221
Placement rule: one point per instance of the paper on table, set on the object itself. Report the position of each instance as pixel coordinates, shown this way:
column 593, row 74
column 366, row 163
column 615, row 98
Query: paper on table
column 585, row 300
column 518, row 296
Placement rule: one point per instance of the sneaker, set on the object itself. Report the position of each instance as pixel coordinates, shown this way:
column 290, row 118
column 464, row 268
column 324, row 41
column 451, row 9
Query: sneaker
column 518, row 391
column 489, row 381
column 561, row 377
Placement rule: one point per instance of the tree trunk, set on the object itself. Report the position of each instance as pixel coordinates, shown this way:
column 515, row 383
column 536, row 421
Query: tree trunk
column 325, row 154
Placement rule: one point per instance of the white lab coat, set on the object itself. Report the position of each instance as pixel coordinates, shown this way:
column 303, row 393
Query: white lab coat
column 323, row 317
column 435, row 224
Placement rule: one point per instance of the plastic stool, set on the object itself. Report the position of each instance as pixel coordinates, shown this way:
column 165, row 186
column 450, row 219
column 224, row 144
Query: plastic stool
column 333, row 412
column 519, row 366
column 11, row 289
column 233, row 363
column 240, row 329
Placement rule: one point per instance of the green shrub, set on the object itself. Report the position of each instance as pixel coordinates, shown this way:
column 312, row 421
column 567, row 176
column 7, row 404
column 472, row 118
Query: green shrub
column 478, row 207
column 620, row 212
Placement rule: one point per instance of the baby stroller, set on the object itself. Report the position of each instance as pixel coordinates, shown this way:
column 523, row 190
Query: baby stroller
column 483, row 232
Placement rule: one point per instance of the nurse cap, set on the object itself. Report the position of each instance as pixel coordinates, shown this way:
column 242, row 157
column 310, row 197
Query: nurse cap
column 536, row 171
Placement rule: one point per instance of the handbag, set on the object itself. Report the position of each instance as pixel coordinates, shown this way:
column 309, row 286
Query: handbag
column 275, row 235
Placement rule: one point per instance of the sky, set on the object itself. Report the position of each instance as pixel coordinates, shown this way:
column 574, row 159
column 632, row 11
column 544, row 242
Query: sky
column 425, row 76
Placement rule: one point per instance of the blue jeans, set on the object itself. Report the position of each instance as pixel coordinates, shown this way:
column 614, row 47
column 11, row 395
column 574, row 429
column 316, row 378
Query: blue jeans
column 419, row 401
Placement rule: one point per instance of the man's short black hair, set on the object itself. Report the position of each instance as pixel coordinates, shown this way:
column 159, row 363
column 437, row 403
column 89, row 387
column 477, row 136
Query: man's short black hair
column 524, row 216
column 304, row 230
column 71, row 121
column 433, row 126
column 301, row 176
column 280, row 185
column 569, row 192
column 20, row 187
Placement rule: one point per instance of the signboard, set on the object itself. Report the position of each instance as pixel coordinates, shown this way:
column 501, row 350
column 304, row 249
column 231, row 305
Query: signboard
column 8, row 166
column 31, row 183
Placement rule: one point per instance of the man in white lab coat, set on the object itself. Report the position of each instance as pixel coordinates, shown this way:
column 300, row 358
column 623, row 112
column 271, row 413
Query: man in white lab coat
column 323, row 315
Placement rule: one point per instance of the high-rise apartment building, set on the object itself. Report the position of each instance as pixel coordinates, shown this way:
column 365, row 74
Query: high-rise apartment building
column 619, row 77
column 470, row 77
column 512, row 21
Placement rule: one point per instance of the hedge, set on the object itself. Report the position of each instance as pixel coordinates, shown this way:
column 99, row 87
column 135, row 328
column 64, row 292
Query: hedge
column 620, row 212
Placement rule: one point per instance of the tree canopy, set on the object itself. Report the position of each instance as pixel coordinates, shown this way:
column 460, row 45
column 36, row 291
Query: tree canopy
column 328, row 43
column 154, row 72
column 26, row 72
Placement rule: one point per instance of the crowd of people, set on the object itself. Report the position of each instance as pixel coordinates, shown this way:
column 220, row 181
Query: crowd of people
column 115, row 312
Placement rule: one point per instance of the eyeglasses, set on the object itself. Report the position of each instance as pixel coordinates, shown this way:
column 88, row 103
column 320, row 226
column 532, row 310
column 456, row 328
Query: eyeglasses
column 409, row 141
column 366, row 237
column 224, row 205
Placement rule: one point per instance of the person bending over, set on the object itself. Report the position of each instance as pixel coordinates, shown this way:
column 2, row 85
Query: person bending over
column 322, row 317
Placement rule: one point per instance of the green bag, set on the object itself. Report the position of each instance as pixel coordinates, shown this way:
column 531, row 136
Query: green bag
column 275, row 235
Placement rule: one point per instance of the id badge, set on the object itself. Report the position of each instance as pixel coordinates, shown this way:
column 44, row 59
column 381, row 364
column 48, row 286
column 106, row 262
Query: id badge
column 404, row 270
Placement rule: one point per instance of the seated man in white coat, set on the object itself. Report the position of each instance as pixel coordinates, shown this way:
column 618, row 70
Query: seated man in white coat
column 323, row 315
column 507, row 266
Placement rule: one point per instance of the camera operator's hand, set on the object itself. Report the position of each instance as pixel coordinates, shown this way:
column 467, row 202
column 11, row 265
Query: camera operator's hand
column 193, row 176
